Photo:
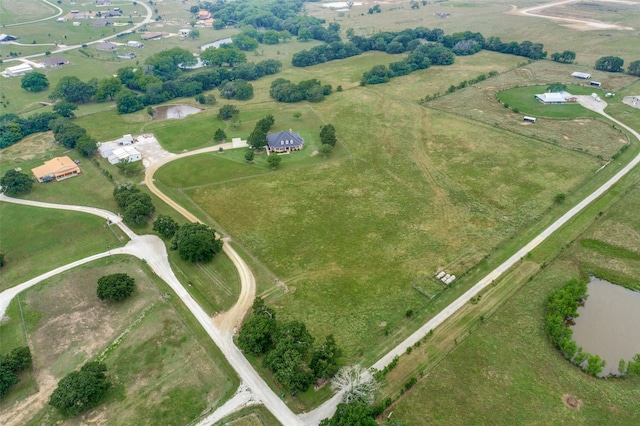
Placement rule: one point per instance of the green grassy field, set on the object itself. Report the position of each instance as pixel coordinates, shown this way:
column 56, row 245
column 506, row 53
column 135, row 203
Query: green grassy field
column 15, row 11
column 510, row 354
column 250, row 416
column 523, row 99
column 55, row 239
column 416, row 175
column 151, row 352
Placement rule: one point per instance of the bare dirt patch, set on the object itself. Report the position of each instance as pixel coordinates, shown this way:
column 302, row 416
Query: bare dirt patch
column 571, row 401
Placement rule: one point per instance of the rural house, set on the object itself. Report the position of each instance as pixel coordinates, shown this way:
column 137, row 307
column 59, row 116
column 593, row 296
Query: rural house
column 54, row 61
column 59, row 168
column 556, row 97
column 286, row 141
column 102, row 22
column 107, row 46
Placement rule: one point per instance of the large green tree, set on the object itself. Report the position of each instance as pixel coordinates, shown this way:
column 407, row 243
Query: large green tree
column 81, row 390
column 86, row 146
column 115, row 287
column 65, row 109
column 128, row 101
column 566, row 57
column 16, row 183
column 610, row 64
column 634, row 68
column 353, row 414
column 72, row 89
column 258, row 332
column 165, row 226
column 34, row 82
column 108, row 88
column 196, row 242
column 328, row 135
column 10, row 365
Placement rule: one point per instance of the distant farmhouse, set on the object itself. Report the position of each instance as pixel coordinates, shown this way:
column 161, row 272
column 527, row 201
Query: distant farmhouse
column 133, row 43
column 107, row 46
column 54, row 61
column 6, row 37
column 286, row 141
column 111, row 14
column 152, row 36
column 102, row 22
column 129, row 55
column 203, row 15
column 581, row 75
column 59, row 168
column 556, row 97
column 17, row 70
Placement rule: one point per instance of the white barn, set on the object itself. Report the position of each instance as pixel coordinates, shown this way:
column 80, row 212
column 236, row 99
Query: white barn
column 18, row 70
column 124, row 152
column 581, row 75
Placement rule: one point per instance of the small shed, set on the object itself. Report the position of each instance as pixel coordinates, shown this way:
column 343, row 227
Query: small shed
column 529, row 119
column 184, row 32
column 595, row 83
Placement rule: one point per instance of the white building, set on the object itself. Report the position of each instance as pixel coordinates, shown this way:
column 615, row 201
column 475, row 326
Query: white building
column 124, row 152
column 581, row 75
column 18, row 70
column 134, row 43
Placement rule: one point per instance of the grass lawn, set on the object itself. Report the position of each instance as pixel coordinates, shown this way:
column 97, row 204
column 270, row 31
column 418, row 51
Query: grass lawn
column 523, row 99
column 55, row 238
column 149, row 346
column 256, row 415
column 508, row 364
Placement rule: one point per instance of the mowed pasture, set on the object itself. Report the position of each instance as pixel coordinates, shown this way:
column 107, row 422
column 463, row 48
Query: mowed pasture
column 55, row 238
column 422, row 190
column 510, row 354
column 161, row 371
column 17, row 11
column 587, row 133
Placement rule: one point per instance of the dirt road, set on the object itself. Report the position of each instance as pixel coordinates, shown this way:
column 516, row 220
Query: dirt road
column 596, row 25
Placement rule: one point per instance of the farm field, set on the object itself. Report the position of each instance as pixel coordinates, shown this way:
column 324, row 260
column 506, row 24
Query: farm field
column 404, row 186
column 511, row 355
column 160, row 370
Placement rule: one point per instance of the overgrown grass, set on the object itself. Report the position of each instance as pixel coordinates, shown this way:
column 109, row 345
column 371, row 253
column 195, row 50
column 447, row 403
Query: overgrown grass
column 256, row 415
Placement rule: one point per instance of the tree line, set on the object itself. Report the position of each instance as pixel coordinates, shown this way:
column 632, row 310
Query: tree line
column 459, row 43
column 11, row 365
column 287, row 349
column 312, row 90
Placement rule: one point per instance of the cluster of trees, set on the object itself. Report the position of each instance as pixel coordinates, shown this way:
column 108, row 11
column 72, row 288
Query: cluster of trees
column 565, row 57
column 227, row 112
column 281, row 17
column 422, row 57
column 287, row 349
column 12, row 364
column 327, row 139
column 13, row 127
column 258, row 137
column 137, row 205
column 115, row 287
column 408, row 40
column 15, row 183
column 74, row 90
column 562, row 309
column 610, row 64
column 196, row 242
column 250, row 37
column 163, row 77
column 81, row 390
column 313, row 90
column 70, row 135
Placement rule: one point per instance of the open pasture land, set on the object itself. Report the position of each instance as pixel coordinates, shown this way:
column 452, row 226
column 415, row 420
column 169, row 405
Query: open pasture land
column 618, row 12
column 584, row 134
column 256, row 415
column 161, row 372
column 17, row 11
column 491, row 19
column 423, row 190
column 508, row 364
column 55, row 238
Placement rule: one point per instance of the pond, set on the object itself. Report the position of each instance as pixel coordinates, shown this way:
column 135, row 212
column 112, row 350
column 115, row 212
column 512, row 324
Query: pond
column 608, row 324
column 173, row 111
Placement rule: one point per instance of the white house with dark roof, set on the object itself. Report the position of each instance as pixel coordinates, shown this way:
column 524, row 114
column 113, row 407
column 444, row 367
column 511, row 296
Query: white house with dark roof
column 285, row 141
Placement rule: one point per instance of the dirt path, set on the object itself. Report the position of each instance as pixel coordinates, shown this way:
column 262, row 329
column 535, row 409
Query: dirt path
column 581, row 23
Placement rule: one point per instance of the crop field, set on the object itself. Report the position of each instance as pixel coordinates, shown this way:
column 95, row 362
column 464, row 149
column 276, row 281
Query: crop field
column 419, row 193
column 510, row 354
column 160, row 370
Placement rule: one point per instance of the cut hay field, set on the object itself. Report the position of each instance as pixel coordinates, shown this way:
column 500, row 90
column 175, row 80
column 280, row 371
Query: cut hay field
column 508, row 365
column 161, row 369
column 423, row 190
